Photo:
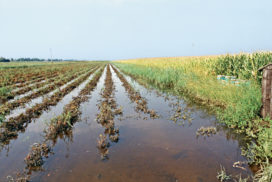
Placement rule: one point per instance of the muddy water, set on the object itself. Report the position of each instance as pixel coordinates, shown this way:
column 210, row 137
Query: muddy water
column 148, row 150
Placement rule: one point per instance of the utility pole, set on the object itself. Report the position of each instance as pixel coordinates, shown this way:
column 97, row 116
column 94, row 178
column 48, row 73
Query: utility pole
column 50, row 50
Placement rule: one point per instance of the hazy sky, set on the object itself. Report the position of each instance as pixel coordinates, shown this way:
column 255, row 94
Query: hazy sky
column 119, row 29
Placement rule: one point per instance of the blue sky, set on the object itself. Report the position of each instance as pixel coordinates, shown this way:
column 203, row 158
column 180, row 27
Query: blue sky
column 121, row 29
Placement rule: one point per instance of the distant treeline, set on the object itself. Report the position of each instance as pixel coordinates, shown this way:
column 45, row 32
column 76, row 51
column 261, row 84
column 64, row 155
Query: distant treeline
column 28, row 59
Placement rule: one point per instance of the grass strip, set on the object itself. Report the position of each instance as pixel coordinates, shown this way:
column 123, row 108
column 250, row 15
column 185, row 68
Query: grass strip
column 237, row 106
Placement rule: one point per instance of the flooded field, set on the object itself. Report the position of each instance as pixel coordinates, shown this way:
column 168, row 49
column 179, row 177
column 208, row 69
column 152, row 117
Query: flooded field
column 102, row 125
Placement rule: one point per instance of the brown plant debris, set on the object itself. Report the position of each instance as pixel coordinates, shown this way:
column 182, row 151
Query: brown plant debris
column 10, row 129
column 64, row 122
column 20, row 177
column 206, row 131
column 180, row 114
column 240, row 165
column 38, row 84
column 108, row 110
column 102, row 142
column 103, row 146
column 6, row 108
column 38, row 152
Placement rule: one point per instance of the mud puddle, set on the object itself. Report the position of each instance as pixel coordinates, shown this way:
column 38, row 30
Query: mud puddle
column 147, row 150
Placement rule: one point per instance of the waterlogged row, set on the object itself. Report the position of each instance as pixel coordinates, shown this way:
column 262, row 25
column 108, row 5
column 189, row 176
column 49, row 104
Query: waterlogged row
column 141, row 103
column 49, row 82
column 16, row 76
column 59, row 127
column 39, row 97
column 7, row 107
column 44, row 82
column 10, row 128
column 40, row 86
column 108, row 110
column 11, row 80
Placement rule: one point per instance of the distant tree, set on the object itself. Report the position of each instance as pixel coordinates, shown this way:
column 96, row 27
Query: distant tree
column 35, row 59
column 4, row 59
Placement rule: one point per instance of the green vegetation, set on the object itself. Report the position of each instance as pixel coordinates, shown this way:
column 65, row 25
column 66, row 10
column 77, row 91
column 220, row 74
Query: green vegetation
column 237, row 106
column 244, row 66
column 5, row 92
column 222, row 175
column 4, row 60
column 9, row 65
column 2, row 118
column 265, row 173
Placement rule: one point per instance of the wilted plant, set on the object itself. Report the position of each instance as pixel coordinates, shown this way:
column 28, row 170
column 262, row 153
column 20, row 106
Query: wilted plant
column 102, row 142
column 222, row 175
column 265, row 173
column 206, row 131
column 240, row 179
column 37, row 153
column 19, row 178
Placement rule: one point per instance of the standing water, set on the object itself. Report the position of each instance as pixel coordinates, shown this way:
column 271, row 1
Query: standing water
column 165, row 149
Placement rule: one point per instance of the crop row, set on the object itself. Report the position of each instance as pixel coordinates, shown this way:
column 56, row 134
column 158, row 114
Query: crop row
column 237, row 106
column 8, row 91
column 141, row 103
column 14, row 76
column 10, row 127
column 61, row 125
column 51, row 79
column 7, row 107
column 66, row 120
column 108, row 110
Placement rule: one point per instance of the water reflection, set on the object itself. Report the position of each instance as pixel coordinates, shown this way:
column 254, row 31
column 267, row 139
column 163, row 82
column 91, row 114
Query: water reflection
column 108, row 110
column 149, row 150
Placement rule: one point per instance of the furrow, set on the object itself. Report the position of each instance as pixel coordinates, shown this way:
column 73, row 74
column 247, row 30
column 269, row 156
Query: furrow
column 19, row 77
column 141, row 103
column 35, row 85
column 17, row 111
column 108, row 110
column 13, row 125
column 13, row 80
column 6, row 108
column 31, row 88
column 64, row 122
column 61, row 125
column 52, row 82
